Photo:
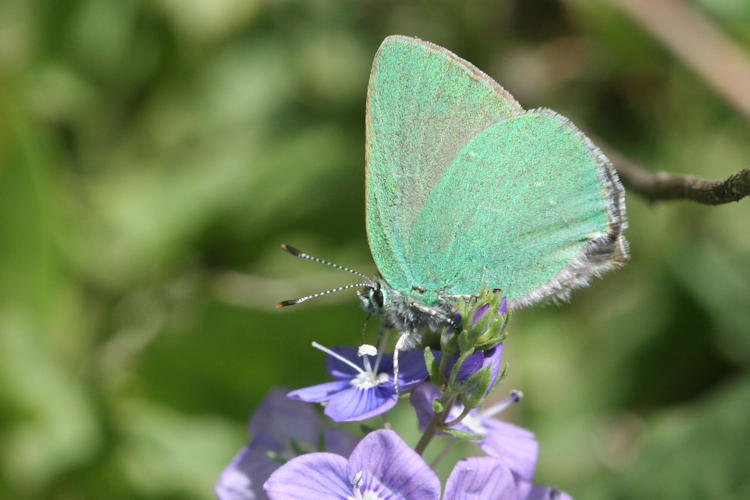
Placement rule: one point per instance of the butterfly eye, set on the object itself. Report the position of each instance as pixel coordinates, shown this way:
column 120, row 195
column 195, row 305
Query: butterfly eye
column 376, row 297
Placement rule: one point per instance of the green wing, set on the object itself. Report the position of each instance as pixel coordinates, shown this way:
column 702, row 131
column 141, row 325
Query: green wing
column 529, row 206
column 424, row 104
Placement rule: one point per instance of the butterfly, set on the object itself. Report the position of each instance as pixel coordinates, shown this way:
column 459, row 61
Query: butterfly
column 466, row 190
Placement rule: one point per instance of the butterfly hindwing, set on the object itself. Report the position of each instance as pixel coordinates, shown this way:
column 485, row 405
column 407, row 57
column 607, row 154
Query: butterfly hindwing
column 528, row 205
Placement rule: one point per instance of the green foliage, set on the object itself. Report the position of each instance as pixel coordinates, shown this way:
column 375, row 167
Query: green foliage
column 476, row 387
column 433, row 367
column 153, row 155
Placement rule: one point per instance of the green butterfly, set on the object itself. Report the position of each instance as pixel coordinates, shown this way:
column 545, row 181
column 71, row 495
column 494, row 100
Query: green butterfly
column 467, row 190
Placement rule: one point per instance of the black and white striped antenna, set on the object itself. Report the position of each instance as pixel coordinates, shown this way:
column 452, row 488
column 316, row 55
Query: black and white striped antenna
column 306, row 256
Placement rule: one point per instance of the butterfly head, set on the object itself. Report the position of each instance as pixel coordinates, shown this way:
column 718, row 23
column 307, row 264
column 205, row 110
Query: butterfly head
column 374, row 298
column 408, row 312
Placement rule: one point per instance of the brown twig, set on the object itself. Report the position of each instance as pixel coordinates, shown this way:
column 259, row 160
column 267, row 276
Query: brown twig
column 717, row 59
column 662, row 186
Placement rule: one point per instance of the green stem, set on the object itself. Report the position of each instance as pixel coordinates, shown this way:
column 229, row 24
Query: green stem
column 458, row 419
column 437, row 421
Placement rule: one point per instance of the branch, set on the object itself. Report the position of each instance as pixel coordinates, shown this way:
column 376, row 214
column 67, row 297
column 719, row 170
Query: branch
column 664, row 186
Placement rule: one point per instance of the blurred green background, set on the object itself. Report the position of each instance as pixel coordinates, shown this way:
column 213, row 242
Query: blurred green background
column 153, row 155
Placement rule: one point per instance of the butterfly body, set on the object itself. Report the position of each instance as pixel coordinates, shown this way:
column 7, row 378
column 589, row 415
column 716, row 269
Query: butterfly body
column 407, row 313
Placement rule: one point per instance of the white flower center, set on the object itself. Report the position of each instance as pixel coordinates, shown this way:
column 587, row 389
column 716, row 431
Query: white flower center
column 370, row 495
column 369, row 379
column 474, row 423
column 358, row 494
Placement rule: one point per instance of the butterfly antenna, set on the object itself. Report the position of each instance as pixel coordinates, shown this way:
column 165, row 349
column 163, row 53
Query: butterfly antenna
column 307, row 256
column 325, row 292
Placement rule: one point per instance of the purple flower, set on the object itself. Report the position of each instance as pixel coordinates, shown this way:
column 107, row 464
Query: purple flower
column 363, row 385
column 384, row 466
column 479, row 314
column 503, row 306
column 472, row 364
column 514, row 446
column 277, row 425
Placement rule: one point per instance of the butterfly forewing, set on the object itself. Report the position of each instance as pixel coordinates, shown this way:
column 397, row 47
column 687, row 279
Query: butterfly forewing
column 424, row 105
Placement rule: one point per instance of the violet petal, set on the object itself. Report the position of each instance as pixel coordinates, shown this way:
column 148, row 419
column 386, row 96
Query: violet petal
column 469, row 367
column 529, row 491
column 314, row 475
column 386, row 456
column 493, row 358
column 503, row 309
column 276, row 422
column 411, row 368
column 319, row 393
column 235, row 482
column 368, row 483
column 479, row 314
column 472, row 364
column 480, row 478
column 514, row 445
column 421, row 399
column 356, row 404
column 277, row 419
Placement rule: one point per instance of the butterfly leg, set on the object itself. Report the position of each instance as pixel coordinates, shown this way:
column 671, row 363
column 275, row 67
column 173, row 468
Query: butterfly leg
column 435, row 312
column 402, row 344
column 399, row 347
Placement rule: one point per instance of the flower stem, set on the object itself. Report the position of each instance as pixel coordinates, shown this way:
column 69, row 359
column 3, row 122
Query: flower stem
column 458, row 419
column 437, row 421
column 429, row 433
column 386, row 422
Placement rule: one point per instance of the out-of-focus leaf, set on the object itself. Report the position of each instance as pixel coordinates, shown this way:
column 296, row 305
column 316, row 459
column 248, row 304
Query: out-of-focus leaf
column 201, row 20
column 719, row 282
column 164, row 452
column 52, row 426
column 696, row 451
